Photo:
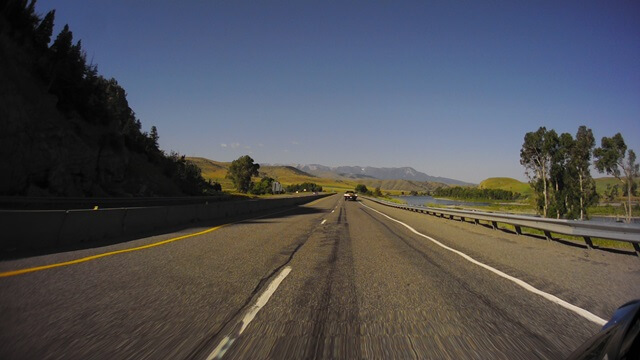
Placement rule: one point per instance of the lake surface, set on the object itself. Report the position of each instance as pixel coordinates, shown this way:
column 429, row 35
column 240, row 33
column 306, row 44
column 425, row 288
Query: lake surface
column 424, row 200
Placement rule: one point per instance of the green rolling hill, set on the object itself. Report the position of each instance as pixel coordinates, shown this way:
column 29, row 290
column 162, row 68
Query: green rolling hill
column 506, row 183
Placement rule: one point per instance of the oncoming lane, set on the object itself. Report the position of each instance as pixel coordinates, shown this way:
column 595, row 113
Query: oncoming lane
column 160, row 302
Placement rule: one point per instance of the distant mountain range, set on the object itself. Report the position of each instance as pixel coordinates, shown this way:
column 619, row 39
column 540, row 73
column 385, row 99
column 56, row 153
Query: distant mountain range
column 370, row 172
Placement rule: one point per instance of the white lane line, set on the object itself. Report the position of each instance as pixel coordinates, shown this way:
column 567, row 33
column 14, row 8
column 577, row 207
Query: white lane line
column 228, row 340
column 332, row 211
column 323, row 221
column 580, row 311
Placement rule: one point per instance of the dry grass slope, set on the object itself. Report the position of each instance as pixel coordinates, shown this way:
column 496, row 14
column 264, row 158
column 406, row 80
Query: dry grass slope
column 287, row 175
column 505, row 183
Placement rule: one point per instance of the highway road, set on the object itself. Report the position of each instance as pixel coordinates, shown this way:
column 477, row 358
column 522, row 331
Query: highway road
column 331, row 279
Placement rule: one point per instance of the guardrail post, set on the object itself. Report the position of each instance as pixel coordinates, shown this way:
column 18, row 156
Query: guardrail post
column 637, row 247
column 494, row 224
column 476, row 221
column 518, row 230
column 547, row 234
column 462, row 219
column 587, row 240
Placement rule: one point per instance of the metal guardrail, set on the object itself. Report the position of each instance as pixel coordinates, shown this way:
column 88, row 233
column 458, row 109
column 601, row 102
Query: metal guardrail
column 587, row 230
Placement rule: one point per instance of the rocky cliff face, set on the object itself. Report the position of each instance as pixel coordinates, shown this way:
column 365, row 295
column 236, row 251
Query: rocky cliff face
column 44, row 152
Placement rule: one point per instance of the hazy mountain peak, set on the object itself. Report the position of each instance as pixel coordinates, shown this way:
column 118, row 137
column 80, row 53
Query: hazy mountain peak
column 381, row 173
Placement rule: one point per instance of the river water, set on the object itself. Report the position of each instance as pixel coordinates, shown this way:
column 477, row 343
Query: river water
column 424, row 200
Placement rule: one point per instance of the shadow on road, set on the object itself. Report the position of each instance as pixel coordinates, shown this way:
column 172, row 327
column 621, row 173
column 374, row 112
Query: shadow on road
column 251, row 218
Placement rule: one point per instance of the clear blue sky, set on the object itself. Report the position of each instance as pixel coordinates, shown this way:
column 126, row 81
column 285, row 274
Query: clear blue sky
column 449, row 88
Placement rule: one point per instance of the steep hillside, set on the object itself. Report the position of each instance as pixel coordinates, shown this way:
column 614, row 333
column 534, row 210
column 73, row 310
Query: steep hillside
column 214, row 171
column 210, row 169
column 67, row 131
column 402, row 185
column 505, row 183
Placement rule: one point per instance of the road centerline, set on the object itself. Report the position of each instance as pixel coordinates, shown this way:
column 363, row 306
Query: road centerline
column 578, row 310
column 228, row 340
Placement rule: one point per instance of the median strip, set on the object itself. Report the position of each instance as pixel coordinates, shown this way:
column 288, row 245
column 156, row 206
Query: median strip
column 580, row 311
column 111, row 253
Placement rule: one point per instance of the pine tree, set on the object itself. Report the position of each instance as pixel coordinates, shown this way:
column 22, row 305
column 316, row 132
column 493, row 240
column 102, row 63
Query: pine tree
column 44, row 30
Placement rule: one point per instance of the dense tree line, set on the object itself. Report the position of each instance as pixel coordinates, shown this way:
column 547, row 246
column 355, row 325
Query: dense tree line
column 62, row 66
column 460, row 192
column 306, row 186
column 558, row 167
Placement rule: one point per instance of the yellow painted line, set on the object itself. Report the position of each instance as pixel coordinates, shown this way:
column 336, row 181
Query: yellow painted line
column 93, row 257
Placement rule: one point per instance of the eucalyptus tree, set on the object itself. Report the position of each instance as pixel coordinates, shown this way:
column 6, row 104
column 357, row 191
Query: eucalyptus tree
column 579, row 163
column 613, row 158
column 560, row 176
column 241, row 171
column 536, row 155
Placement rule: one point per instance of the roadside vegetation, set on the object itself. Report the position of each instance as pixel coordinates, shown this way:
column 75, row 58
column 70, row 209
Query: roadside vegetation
column 561, row 186
column 472, row 193
column 95, row 106
column 304, row 187
column 558, row 167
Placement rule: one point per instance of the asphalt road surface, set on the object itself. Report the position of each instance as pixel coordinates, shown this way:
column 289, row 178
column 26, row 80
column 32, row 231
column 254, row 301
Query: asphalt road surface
column 331, row 279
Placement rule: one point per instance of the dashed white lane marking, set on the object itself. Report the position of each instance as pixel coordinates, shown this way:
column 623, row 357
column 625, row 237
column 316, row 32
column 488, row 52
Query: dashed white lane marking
column 580, row 311
column 228, row 340
column 323, row 221
column 332, row 211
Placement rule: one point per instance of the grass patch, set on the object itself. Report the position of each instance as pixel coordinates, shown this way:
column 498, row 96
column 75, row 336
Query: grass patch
column 579, row 239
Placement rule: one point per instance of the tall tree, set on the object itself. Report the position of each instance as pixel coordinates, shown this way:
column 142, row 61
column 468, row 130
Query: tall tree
column 580, row 161
column 60, row 49
column 241, row 171
column 560, row 176
column 536, row 156
column 45, row 29
column 613, row 158
column 154, row 137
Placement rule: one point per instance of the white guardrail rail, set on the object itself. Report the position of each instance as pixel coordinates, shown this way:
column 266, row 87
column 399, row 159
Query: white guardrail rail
column 587, row 230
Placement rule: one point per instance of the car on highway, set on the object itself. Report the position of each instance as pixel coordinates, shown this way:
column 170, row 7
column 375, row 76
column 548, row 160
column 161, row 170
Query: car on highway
column 619, row 338
column 350, row 195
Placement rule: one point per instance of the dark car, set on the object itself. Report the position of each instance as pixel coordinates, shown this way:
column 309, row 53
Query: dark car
column 618, row 339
